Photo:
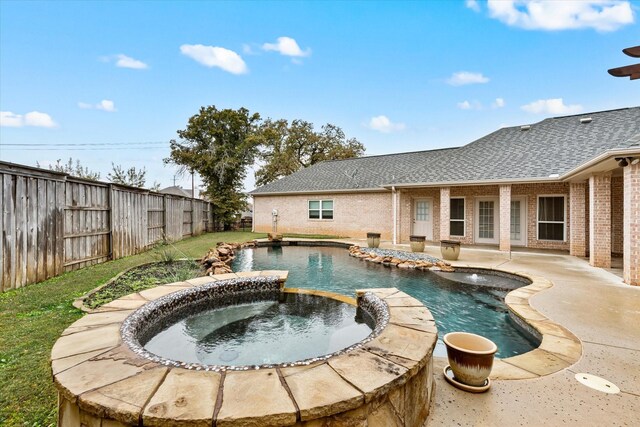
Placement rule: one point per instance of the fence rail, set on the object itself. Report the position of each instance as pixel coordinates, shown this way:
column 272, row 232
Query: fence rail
column 52, row 222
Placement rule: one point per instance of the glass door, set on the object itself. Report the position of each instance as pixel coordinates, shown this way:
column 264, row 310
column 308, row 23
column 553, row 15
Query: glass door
column 487, row 220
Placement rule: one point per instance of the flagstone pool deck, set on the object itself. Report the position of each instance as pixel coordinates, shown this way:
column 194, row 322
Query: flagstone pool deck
column 592, row 303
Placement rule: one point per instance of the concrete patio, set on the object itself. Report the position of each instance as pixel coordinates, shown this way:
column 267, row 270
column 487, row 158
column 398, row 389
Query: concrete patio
column 592, row 303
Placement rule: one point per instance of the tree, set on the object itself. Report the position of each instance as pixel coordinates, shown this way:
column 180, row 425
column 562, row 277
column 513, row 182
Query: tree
column 219, row 145
column 74, row 170
column 287, row 148
column 131, row 176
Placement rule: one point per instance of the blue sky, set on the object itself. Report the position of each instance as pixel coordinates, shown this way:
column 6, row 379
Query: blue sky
column 397, row 76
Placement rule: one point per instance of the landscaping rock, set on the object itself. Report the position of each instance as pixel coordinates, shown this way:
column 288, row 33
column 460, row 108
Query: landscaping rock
column 400, row 259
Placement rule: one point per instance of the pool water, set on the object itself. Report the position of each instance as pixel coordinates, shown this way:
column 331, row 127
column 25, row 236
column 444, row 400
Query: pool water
column 456, row 306
column 287, row 328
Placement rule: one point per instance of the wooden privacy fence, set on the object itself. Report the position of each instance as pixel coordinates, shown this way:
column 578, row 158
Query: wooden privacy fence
column 52, row 222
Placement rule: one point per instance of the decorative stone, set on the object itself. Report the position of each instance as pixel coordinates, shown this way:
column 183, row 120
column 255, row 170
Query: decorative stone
column 124, row 400
column 59, row 365
column 381, row 374
column 255, row 398
column 183, row 397
column 274, row 237
column 320, row 391
column 91, row 375
column 403, row 342
column 103, row 337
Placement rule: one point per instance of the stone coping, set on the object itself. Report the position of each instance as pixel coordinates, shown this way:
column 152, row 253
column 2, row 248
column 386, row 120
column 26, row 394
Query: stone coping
column 97, row 374
column 558, row 349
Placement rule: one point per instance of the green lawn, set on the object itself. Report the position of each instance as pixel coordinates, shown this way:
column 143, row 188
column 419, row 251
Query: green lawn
column 32, row 318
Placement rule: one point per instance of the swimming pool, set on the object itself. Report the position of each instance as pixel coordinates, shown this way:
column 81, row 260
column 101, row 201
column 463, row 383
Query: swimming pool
column 477, row 308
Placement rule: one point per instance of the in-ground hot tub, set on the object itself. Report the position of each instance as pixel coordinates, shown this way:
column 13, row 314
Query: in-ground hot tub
column 373, row 363
column 235, row 325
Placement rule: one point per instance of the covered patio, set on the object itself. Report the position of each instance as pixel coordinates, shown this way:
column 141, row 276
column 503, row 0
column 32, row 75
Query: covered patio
column 593, row 212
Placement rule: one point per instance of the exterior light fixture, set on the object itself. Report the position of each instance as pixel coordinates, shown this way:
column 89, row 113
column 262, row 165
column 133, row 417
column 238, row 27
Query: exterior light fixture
column 625, row 161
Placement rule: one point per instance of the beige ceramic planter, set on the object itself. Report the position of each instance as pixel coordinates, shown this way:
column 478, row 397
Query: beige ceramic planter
column 417, row 243
column 373, row 240
column 470, row 357
column 450, row 249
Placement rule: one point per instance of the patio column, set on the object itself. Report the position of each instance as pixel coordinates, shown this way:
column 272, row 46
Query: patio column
column 505, row 217
column 578, row 218
column 445, row 212
column 631, row 251
column 600, row 220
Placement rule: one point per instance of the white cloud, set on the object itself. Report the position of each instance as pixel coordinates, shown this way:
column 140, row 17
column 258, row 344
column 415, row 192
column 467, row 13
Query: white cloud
column 287, row 46
column 498, row 103
column 214, row 56
column 473, row 5
column 551, row 15
column 462, row 78
column 124, row 61
column 467, row 105
column 33, row 118
column 104, row 105
column 384, row 125
column 38, row 119
column 10, row 120
column 551, row 106
column 464, row 105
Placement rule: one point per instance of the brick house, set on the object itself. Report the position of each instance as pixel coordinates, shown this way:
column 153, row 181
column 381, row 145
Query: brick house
column 567, row 183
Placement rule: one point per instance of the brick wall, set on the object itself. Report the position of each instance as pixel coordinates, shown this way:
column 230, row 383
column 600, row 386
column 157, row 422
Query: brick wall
column 353, row 214
column 579, row 218
column 470, row 193
column 600, row 220
column 445, row 212
column 505, row 217
column 631, row 257
column 617, row 217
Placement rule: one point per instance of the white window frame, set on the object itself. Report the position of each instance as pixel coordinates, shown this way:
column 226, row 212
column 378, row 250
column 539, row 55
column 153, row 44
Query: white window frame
column 333, row 208
column 564, row 223
column 464, row 217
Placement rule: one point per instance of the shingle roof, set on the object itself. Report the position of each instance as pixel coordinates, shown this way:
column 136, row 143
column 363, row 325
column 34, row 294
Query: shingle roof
column 552, row 146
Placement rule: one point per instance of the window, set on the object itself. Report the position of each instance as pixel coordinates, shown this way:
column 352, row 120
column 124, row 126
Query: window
column 551, row 218
column 320, row 209
column 456, row 225
column 516, row 232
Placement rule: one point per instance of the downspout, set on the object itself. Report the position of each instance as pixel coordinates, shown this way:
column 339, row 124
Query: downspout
column 394, row 203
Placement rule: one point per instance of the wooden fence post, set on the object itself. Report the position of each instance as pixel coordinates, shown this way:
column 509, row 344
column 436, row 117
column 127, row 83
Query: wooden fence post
column 111, row 221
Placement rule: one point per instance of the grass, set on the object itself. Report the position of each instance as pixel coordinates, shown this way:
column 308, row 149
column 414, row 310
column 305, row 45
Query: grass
column 33, row 318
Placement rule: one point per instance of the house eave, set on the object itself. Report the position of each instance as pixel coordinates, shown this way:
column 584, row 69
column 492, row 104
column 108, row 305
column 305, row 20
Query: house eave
column 336, row 191
column 591, row 166
column 475, row 182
